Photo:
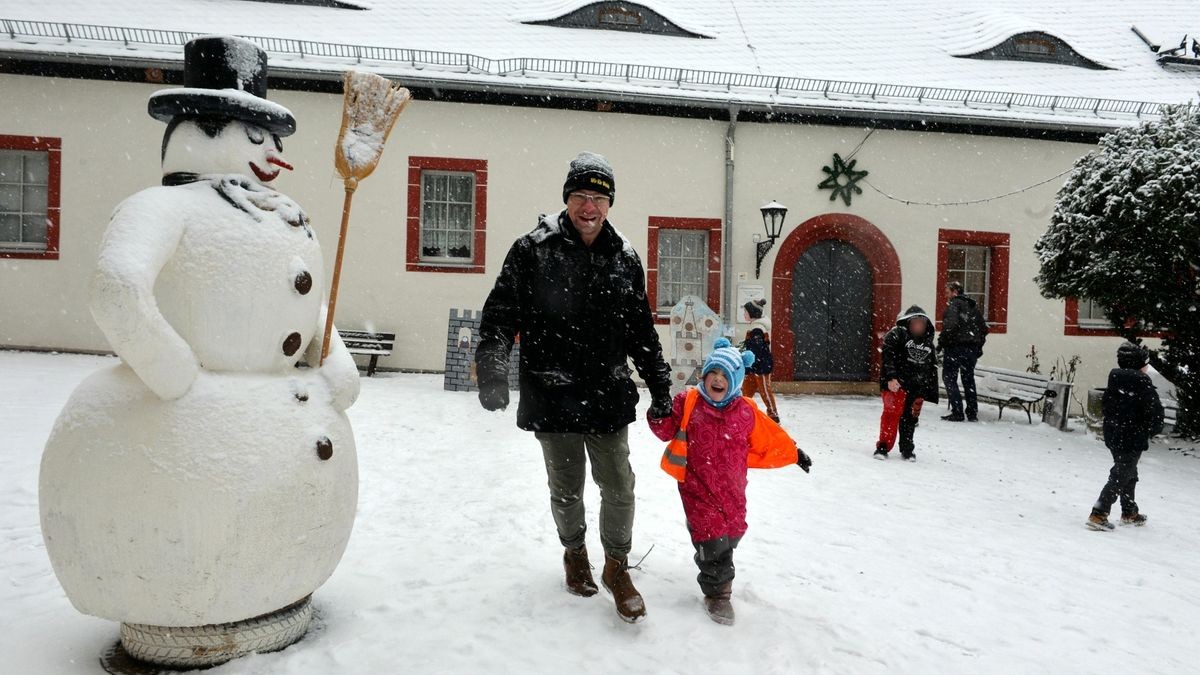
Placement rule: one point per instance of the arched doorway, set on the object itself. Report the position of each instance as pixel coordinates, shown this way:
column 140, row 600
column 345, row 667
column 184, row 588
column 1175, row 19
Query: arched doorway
column 835, row 293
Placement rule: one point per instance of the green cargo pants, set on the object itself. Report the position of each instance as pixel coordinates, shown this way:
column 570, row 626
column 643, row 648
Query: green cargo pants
column 566, row 471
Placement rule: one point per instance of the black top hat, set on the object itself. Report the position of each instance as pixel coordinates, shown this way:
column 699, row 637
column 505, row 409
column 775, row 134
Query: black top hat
column 223, row 77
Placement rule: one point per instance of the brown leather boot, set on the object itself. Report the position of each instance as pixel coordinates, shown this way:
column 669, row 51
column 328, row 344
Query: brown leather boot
column 579, row 572
column 718, row 606
column 630, row 606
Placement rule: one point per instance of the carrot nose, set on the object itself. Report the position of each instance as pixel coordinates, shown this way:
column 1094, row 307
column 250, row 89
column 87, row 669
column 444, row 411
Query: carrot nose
column 279, row 162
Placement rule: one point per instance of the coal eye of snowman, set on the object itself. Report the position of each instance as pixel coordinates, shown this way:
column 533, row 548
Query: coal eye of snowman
column 256, row 135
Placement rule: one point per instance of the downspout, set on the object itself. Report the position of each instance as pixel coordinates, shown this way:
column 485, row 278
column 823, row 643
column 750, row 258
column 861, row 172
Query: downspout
column 727, row 240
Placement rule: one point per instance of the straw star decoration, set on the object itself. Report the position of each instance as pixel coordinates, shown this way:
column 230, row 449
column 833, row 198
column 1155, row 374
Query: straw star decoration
column 842, row 179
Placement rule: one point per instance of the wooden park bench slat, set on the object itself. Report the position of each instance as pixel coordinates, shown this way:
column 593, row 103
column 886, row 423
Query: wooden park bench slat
column 368, row 343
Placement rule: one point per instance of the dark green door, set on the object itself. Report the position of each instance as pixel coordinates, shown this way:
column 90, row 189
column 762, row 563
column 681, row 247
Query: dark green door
column 831, row 313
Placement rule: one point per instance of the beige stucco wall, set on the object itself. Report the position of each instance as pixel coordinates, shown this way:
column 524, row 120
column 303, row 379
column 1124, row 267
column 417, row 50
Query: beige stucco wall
column 783, row 162
column 664, row 166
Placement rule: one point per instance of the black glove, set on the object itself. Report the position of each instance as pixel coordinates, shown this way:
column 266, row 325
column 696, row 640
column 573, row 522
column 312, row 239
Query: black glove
column 804, row 460
column 493, row 396
column 661, row 406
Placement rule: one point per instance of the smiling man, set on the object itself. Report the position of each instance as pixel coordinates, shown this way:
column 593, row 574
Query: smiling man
column 574, row 290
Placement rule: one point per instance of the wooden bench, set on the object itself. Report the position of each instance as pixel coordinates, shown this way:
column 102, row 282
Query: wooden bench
column 1170, row 412
column 1012, row 388
column 368, row 343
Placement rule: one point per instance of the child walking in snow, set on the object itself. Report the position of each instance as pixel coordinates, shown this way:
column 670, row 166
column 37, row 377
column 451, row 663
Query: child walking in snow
column 716, row 436
column 907, row 380
column 758, row 374
column 1132, row 415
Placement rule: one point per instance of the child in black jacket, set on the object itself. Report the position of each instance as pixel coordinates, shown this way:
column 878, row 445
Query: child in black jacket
column 907, row 379
column 1132, row 415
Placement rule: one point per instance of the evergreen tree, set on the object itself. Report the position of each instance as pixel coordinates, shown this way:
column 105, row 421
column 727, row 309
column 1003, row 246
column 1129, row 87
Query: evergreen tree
column 1126, row 235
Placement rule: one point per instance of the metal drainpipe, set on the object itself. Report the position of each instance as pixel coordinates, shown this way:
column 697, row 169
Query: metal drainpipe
column 727, row 241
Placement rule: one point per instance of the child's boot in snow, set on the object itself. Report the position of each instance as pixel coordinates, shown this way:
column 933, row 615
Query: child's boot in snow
column 1099, row 522
column 1134, row 518
column 880, row 451
column 630, row 606
column 718, row 605
column 579, row 572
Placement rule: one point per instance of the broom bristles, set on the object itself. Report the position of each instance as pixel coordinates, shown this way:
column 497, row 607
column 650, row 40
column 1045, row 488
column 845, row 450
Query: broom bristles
column 369, row 110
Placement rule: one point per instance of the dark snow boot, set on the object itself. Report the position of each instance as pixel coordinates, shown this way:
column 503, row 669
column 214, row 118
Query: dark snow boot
column 880, row 452
column 579, row 572
column 954, row 417
column 718, row 605
column 630, row 606
column 1134, row 518
column 1099, row 522
column 909, row 456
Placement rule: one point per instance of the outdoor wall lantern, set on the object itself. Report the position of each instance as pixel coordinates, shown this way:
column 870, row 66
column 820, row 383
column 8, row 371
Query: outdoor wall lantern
column 773, row 214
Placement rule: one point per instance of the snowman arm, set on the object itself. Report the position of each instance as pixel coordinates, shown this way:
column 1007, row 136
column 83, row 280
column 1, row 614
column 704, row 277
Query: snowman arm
column 140, row 239
column 339, row 369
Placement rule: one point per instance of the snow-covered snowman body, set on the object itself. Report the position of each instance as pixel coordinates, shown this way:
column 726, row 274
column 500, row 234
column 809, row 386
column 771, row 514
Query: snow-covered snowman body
column 206, row 479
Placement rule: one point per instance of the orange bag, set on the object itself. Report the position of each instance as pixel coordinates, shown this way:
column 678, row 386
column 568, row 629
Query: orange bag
column 770, row 446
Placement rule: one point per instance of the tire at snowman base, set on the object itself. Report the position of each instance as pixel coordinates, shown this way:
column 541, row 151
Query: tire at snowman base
column 202, row 646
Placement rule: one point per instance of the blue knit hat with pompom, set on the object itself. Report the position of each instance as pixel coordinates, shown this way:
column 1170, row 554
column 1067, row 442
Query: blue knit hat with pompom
column 732, row 364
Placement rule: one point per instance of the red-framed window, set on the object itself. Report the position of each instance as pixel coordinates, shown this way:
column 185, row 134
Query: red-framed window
column 30, row 190
column 979, row 261
column 683, row 257
column 1084, row 318
column 447, row 215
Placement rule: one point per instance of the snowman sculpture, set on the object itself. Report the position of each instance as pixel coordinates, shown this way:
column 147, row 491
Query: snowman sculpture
column 200, row 491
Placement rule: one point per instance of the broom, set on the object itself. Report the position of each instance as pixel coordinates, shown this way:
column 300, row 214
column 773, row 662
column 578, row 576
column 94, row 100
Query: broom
column 370, row 107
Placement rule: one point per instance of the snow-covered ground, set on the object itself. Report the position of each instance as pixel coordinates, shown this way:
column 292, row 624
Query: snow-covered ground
column 974, row 559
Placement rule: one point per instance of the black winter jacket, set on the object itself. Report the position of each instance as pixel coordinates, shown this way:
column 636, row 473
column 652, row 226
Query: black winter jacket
column 582, row 314
column 909, row 359
column 764, row 362
column 962, row 323
column 1133, row 412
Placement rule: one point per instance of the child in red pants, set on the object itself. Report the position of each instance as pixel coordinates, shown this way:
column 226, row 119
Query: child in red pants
column 719, row 434
column 907, row 379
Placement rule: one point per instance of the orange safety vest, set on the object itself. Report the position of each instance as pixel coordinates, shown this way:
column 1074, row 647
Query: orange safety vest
column 770, row 446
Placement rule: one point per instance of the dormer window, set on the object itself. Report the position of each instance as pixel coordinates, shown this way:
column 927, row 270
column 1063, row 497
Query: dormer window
column 1038, row 47
column 619, row 17
column 623, row 16
column 1034, row 47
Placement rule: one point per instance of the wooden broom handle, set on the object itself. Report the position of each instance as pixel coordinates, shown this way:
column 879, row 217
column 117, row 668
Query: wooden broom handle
column 351, row 186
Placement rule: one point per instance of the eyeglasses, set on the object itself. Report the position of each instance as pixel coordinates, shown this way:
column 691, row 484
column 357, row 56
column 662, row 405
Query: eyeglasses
column 578, row 198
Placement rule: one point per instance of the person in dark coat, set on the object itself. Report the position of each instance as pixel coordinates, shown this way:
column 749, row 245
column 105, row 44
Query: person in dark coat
column 1133, row 414
column 574, row 290
column 758, row 375
column 907, row 379
column 964, row 331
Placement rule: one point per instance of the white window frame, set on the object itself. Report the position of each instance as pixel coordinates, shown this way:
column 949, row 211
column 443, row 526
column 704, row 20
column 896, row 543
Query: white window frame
column 447, row 261
column 663, row 234
column 984, row 295
column 21, row 213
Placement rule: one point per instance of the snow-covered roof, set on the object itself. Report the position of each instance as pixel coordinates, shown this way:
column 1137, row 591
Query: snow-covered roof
column 897, row 58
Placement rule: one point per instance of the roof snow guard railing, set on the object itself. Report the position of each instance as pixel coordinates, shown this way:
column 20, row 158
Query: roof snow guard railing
column 597, row 71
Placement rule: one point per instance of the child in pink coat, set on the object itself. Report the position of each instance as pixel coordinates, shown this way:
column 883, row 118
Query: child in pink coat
column 725, row 435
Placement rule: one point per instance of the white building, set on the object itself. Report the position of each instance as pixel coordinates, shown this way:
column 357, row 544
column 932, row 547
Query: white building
column 966, row 116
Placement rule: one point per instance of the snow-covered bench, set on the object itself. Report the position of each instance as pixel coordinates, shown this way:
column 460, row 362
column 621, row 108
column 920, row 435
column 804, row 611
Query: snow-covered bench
column 1012, row 388
column 1170, row 412
column 368, row 343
